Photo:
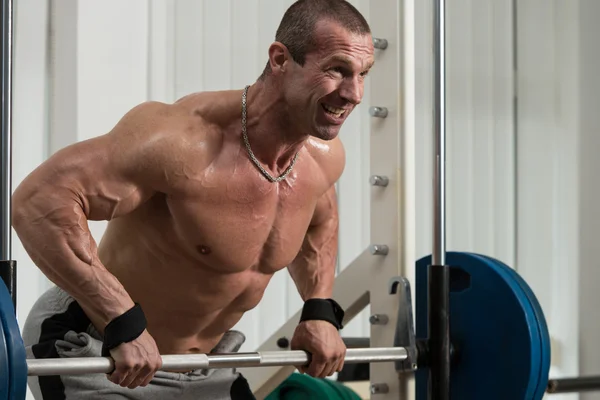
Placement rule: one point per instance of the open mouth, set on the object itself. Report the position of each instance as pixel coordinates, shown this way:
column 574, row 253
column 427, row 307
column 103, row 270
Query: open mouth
column 333, row 111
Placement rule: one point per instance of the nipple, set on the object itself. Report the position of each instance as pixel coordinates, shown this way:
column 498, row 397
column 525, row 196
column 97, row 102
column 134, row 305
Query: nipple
column 203, row 249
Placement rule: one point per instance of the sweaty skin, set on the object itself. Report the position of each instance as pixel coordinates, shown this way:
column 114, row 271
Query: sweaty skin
column 196, row 232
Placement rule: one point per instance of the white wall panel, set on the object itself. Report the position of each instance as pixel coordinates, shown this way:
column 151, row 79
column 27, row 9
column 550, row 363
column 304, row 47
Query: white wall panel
column 62, row 107
column 550, row 188
column 217, row 45
column 247, row 57
column 479, row 127
column 112, row 64
column 424, row 128
column 29, row 128
column 537, row 134
column 189, row 54
column 161, row 50
column 583, row 290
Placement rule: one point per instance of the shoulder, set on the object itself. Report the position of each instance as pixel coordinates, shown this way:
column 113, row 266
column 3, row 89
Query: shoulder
column 182, row 123
column 165, row 139
column 330, row 157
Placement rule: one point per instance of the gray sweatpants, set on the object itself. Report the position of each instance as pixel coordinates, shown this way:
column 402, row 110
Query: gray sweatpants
column 58, row 327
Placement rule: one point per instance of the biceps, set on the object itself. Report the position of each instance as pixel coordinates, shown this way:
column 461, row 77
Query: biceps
column 82, row 175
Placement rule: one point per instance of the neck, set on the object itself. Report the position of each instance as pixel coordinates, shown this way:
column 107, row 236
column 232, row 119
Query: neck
column 273, row 142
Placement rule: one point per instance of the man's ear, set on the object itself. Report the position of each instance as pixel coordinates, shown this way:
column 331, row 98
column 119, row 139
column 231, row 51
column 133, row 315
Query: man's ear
column 279, row 57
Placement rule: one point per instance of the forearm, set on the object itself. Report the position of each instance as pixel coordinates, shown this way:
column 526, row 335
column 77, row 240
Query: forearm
column 53, row 229
column 313, row 270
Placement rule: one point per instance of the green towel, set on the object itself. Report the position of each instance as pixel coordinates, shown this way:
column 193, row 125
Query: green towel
column 301, row 387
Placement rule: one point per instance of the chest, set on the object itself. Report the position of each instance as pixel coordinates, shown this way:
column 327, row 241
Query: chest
column 237, row 221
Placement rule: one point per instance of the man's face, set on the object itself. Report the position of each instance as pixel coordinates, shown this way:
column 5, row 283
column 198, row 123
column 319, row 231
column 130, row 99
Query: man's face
column 324, row 91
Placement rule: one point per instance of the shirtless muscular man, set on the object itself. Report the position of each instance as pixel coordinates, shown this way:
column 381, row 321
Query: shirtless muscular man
column 207, row 198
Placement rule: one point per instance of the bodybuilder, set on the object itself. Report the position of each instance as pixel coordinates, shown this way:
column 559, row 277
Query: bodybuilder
column 207, row 198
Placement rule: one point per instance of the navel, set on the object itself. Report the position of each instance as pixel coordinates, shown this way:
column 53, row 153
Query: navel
column 203, row 249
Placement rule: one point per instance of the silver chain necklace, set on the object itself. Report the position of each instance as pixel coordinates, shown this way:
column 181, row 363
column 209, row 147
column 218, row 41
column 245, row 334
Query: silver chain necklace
column 251, row 154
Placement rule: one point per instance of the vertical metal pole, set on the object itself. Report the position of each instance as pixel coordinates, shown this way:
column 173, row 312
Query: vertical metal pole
column 6, row 189
column 7, row 266
column 439, row 125
column 439, row 273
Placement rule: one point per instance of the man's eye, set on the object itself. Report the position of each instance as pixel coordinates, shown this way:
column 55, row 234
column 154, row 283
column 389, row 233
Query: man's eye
column 338, row 70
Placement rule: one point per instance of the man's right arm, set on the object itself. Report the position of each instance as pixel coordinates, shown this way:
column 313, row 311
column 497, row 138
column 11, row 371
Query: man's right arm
column 97, row 179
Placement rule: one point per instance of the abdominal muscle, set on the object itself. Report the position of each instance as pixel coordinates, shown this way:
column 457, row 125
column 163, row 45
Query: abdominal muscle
column 188, row 305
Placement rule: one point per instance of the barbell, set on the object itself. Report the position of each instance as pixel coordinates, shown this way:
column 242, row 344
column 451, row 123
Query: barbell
column 500, row 341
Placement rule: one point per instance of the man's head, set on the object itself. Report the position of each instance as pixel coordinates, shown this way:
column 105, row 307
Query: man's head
column 322, row 52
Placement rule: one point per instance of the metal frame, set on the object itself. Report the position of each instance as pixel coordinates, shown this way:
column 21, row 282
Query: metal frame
column 6, row 166
column 387, row 203
column 8, row 271
column 439, row 272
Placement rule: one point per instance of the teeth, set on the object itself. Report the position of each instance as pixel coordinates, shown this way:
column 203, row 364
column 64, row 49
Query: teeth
column 337, row 111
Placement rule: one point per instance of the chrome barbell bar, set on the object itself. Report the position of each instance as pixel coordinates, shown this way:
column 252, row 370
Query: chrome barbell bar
column 572, row 385
column 186, row 362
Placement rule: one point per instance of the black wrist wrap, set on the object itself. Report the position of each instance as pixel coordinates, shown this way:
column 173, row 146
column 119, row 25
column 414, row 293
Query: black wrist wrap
column 125, row 328
column 324, row 310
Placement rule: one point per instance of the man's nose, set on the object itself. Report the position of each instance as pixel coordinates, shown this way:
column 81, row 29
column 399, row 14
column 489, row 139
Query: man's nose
column 352, row 90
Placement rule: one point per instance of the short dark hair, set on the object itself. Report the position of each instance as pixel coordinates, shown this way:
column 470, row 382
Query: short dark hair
column 298, row 23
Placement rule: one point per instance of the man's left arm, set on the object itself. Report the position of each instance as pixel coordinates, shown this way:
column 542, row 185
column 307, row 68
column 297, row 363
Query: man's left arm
column 313, row 272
